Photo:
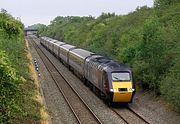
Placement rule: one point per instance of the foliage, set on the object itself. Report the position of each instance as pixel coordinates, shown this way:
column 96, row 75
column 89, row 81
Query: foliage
column 151, row 53
column 164, row 3
column 170, row 84
column 8, row 24
column 16, row 104
column 9, row 86
column 146, row 39
column 41, row 28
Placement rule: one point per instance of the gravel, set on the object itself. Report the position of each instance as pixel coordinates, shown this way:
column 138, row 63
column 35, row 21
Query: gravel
column 129, row 116
column 56, row 106
column 105, row 114
column 153, row 109
column 146, row 105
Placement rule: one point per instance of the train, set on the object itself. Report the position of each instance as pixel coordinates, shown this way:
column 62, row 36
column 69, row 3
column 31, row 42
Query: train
column 110, row 80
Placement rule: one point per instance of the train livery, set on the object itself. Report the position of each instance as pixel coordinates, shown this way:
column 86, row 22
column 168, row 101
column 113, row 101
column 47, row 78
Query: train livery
column 110, row 80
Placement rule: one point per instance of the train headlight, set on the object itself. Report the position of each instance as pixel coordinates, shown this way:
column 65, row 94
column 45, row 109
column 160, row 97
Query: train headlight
column 113, row 90
column 131, row 89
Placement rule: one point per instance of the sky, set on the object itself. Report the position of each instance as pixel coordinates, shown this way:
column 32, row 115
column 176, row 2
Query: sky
column 43, row 11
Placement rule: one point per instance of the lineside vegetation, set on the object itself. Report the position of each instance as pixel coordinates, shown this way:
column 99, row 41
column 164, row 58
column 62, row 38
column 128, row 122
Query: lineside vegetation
column 146, row 39
column 17, row 89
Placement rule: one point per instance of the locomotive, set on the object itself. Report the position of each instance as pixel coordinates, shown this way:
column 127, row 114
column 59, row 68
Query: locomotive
column 110, row 80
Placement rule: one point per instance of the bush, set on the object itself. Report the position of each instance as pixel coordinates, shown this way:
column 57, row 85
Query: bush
column 170, row 85
column 145, row 39
column 151, row 53
column 16, row 102
column 9, row 85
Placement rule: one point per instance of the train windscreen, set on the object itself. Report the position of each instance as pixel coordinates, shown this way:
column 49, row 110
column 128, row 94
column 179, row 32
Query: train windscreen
column 120, row 76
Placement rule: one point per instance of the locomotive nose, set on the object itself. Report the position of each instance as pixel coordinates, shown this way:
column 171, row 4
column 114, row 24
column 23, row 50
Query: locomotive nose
column 122, row 91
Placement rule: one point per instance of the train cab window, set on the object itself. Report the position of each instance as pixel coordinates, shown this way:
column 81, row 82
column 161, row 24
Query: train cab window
column 121, row 76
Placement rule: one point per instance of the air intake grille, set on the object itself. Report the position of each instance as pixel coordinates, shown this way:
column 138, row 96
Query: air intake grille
column 122, row 89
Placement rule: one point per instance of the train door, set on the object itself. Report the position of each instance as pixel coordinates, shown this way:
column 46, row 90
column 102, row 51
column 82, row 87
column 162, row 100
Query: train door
column 100, row 79
column 105, row 83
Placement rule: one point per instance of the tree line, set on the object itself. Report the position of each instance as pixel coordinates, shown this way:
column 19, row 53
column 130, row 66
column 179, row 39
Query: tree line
column 146, row 39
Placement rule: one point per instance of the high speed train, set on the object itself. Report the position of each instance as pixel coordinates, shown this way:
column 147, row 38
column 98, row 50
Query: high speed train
column 110, row 80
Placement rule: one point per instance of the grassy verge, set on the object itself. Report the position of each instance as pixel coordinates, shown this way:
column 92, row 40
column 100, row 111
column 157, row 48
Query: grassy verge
column 18, row 91
column 19, row 101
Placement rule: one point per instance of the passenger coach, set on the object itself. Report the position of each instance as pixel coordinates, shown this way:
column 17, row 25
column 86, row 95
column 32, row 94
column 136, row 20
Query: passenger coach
column 109, row 79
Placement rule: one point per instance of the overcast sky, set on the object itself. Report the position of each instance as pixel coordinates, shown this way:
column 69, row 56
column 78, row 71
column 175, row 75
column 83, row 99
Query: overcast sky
column 43, row 11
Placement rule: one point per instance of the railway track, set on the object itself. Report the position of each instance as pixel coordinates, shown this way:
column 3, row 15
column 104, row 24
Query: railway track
column 129, row 116
column 80, row 109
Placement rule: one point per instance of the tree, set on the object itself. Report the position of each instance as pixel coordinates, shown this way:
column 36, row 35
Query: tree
column 163, row 3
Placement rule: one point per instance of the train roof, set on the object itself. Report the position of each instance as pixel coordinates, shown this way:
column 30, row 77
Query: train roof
column 51, row 40
column 81, row 52
column 55, row 40
column 67, row 46
column 58, row 43
column 95, row 60
column 114, row 66
column 107, row 64
column 44, row 38
column 47, row 38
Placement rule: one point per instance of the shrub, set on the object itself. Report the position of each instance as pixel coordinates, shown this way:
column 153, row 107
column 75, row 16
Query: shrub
column 170, row 85
column 145, row 39
column 9, row 85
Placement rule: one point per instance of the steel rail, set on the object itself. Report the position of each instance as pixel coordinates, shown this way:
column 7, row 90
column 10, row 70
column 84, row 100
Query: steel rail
column 88, row 108
column 132, row 111
column 57, row 85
